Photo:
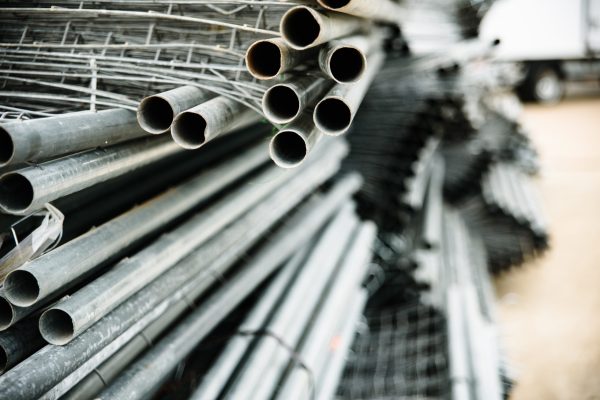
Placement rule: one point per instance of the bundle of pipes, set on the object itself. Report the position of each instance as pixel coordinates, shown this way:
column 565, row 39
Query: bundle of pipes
column 291, row 343
column 507, row 214
column 102, row 329
column 476, row 366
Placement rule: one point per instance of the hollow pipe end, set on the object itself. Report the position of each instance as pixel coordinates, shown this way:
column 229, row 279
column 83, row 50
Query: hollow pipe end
column 7, row 148
column 281, row 104
column 155, row 115
column 189, row 130
column 333, row 116
column 16, row 193
column 264, row 60
column 56, row 327
column 300, row 27
column 22, row 288
column 347, row 64
column 7, row 314
column 288, row 148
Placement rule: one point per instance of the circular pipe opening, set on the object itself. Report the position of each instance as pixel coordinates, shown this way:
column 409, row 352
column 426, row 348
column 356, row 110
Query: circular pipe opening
column 288, row 149
column 22, row 288
column 155, row 115
column 347, row 64
column 299, row 27
column 333, row 116
column 7, row 313
column 56, row 327
column 16, row 192
column 188, row 130
column 263, row 60
column 7, row 147
column 3, row 359
column 334, row 3
column 281, row 104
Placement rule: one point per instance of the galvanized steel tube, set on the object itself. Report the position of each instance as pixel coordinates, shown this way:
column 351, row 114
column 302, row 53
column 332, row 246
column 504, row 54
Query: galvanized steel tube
column 67, row 319
column 65, row 266
column 44, row 138
column 380, row 10
column 345, row 60
column 26, row 190
column 197, row 126
column 156, row 113
column 284, row 102
column 303, row 27
column 334, row 113
column 269, row 58
column 45, row 369
column 147, row 374
column 292, row 145
column 18, row 343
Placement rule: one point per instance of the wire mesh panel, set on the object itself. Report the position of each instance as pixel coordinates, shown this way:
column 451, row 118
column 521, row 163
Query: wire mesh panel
column 57, row 57
column 401, row 354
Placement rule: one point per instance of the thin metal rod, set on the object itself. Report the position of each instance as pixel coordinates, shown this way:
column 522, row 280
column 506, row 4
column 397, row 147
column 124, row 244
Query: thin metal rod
column 199, row 125
column 28, row 189
column 156, row 113
column 44, row 138
column 65, row 266
column 303, row 27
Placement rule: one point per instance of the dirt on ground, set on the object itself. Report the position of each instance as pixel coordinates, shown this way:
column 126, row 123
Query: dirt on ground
column 550, row 309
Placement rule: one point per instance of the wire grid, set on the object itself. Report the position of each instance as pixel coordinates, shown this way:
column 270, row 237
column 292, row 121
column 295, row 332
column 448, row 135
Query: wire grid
column 58, row 57
column 403, row 354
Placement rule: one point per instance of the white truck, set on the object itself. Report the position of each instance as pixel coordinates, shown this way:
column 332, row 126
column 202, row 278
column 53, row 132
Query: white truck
column 550, row 41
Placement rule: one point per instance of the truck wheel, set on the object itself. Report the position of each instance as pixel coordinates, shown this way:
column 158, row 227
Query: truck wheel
column 543, row 84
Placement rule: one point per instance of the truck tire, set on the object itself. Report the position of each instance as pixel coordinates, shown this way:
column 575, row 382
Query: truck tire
column 543, row 84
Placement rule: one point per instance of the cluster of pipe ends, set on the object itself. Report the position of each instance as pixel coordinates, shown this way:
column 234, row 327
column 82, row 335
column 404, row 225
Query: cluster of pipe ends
column 324, row 62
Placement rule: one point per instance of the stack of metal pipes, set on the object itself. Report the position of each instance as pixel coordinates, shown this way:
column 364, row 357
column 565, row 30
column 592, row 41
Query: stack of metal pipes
column 100, row 311
column 293, row 343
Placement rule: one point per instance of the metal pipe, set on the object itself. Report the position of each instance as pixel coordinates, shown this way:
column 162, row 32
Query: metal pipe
column 197, row 126
column 335, row 366
column 9, row 313
column 67, row 265
column 334, row 114
column 26, row 190
column 45, row 369
column 18, row 343
column 213, row 382
column 303, row 27
column 292, row 145
column 156, row 113
column 380, row 10
column 284, row 102
column 345, row 60
column 269, row 58
column 64, row 321
column 262, row 371
column 143, row 378
column 297, row 384
column 44, row 138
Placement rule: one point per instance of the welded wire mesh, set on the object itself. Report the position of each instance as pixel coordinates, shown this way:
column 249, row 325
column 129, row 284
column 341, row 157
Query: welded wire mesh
column 57, row 57
column 401, row 355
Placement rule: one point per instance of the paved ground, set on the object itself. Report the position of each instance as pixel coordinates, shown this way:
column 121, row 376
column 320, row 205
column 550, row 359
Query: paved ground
column 550, row 311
